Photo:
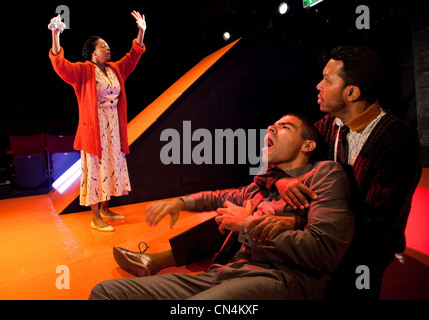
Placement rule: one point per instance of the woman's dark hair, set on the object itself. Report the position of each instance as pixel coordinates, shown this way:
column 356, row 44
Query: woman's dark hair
column 89, row 47
column 362, row 68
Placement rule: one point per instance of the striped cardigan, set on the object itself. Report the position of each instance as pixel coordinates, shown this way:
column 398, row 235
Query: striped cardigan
column 383, row 179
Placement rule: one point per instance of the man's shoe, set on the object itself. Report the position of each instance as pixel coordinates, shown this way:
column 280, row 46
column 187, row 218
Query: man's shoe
column 136, row 263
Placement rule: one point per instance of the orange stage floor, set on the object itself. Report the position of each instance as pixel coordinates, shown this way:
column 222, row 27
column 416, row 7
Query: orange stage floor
column 34, row 241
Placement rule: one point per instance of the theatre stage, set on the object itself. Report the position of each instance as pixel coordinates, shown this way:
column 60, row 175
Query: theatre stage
column 35, row 241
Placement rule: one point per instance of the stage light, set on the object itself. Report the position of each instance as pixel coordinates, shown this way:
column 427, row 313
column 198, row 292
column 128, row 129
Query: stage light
column 226, row 36
column 68, row 177
column 283, row 8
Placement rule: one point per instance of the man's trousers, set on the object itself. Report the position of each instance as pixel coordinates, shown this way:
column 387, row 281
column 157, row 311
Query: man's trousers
column 235, row 282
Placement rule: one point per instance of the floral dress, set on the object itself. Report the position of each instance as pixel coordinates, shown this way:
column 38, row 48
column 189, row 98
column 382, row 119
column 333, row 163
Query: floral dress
column 107, row 177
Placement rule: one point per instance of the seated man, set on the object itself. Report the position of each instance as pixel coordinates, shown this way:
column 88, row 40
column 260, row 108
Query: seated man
column 290, row 264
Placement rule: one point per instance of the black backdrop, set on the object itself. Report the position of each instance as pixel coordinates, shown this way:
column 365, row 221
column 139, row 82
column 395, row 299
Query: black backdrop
column 260, row 80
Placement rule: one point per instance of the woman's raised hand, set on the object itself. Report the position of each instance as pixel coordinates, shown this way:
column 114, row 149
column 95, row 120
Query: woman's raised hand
column 141, row 22
column 56, row 24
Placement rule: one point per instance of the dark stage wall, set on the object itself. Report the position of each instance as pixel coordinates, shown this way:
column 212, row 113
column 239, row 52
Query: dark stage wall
column 254, row 84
